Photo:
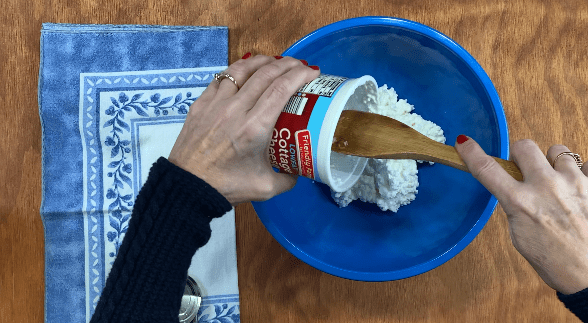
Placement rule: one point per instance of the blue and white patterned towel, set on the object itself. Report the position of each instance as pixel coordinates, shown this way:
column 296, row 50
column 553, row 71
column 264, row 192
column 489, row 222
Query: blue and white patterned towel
column 112, row 99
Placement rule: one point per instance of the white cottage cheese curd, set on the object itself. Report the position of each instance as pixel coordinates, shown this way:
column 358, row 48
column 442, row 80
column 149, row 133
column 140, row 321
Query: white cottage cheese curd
column 387, row 182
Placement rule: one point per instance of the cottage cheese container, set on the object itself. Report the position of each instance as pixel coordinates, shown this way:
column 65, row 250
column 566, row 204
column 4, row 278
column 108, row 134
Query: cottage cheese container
column 303, row 134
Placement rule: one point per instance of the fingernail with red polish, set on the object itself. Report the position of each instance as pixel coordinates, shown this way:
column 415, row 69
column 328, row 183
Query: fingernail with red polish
column 278, row 57
column 461, row 139
column 314, row 67
column 246, row 56
column 304, row 62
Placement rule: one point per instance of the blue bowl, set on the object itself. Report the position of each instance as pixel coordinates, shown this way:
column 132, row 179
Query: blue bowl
column 447, row 86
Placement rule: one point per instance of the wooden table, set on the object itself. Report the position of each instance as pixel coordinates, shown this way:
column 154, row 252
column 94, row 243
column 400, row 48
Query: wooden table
column 534, row 51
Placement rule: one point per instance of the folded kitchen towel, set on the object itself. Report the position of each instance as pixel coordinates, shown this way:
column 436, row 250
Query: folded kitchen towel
column 94, row 163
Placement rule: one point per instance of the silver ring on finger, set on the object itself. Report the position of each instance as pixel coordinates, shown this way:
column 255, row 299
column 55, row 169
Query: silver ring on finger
column 576, row 157
column 222, row 75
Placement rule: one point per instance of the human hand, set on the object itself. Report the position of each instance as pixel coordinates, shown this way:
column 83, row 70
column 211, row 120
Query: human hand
column 547, row 212
column 225, row 139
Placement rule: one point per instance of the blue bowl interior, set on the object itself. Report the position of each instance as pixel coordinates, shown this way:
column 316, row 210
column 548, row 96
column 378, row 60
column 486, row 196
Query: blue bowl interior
column 434, row 74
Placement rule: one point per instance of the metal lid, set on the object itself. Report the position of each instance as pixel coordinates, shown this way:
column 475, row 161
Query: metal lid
column 190, row 302
column 189, row 308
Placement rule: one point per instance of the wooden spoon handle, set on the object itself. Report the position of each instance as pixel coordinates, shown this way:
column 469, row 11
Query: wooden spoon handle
column 447, row 155
column 511, row 168
column 371, row 135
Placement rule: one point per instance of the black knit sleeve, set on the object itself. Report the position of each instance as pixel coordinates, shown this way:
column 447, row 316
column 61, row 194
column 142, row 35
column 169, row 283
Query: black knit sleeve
column 170, row 221
column 577, row 303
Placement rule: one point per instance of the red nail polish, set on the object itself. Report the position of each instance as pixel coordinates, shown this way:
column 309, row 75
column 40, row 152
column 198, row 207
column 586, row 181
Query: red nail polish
column 278, row 57
column 304, row 62
column 314, row 67
column 461, row 139
column 246, row 56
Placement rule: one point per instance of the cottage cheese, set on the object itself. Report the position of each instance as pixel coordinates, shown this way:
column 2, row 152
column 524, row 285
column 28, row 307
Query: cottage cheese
column 387, row 182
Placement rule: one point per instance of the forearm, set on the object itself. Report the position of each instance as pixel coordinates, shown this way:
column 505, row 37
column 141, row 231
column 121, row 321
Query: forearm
column 170, row 221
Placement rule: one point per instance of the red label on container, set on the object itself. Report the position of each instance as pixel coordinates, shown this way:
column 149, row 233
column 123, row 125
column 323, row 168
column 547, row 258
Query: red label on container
column 304, row 153
column 283, row 147
column 290, row 148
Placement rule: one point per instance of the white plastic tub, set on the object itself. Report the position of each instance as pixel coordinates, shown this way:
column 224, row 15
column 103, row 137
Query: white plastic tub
column 303, row 134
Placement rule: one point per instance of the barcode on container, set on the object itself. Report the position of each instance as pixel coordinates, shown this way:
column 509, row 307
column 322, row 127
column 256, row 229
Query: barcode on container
column 324, row 85
column 295, row 105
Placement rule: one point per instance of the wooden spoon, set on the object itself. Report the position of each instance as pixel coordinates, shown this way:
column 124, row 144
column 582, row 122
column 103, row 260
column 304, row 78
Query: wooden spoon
column 375, row 136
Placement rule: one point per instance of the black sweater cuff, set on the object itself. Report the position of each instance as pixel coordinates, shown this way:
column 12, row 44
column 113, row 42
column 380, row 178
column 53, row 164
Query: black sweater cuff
column 170, row 221
column 577, row 303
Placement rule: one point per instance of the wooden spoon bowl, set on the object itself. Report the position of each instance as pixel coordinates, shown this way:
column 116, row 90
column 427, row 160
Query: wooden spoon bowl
column 375, row 136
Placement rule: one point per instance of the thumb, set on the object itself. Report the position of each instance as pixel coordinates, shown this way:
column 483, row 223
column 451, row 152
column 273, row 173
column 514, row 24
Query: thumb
column 484, row 168
column 283, row 182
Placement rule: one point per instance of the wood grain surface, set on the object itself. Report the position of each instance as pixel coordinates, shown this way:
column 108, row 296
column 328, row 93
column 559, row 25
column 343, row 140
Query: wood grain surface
column 534, row 51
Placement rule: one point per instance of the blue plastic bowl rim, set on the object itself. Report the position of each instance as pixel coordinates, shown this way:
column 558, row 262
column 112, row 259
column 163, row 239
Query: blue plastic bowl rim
column 504, row 150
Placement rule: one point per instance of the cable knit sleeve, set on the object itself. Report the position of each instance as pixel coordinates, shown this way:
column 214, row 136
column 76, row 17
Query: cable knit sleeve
column 577, row 303
column 170, row 221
